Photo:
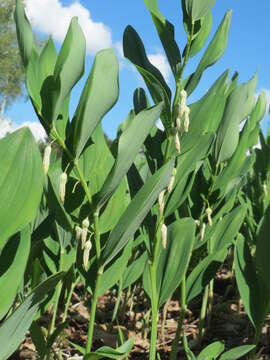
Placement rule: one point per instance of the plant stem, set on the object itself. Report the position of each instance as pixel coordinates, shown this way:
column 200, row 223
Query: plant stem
column 76, row 164
column 92, row 315
column 116, row 306
column 164, row 317
column 95, row 295
column 57, row 295
column 69, row 298
column 154, row 307
column 202, row 316
column 179, row 81
column 173, row 355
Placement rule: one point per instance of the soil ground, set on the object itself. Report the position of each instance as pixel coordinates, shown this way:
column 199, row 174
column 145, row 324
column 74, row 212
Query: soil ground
column 228, row 322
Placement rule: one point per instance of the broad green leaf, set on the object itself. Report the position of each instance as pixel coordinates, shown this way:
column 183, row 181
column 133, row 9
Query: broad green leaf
column 14, row 328
column 134, row 51
column 136, row 212
column 114, row 208
column 134, row 270
column 96, row 161
column 206, row 113
column 47, row 60
column 212, row 351
column 186, row 164
column 239, row 164
column 68, row 70
column 263, row 249
column 38, row 339
column 238, row 107
column 203, row 34
column 247, row 282
column 115, row 270
column 13, row 261
column 100, row 93
column 32, row 80
column 203, row 273
column 21, row 182
column 237, row 352
column 129, row 145
column 24, row 33
column 178, row 251
column 197, row 9
column 224, row 231
column 212, row 54
column 69, row 66
column 166, row 34
column 107, row 352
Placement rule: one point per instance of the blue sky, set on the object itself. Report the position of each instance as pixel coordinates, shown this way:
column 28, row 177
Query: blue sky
column 248, row 47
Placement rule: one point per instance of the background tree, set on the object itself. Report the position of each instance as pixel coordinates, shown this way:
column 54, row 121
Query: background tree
column 11, row 68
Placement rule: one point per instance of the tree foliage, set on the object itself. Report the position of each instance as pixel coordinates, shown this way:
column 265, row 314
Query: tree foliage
column 11, row 68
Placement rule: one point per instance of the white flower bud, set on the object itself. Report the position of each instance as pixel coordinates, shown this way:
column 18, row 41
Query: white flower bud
column 85, row 226
column 202, row 232
column 62, row 187
column 186, row 122
column 177, row 143
column 86, row 223
column 87, row 248
column 182, row 103
column 161, row 203
column 78, row 233
column 209, row 216
column 84, row 236
column 198, row 223
column 164, row 235
column 172, row 180
column 46, row 159
column 178, row 125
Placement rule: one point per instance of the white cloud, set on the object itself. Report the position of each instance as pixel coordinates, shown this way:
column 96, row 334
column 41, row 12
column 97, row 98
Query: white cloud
column 51, row 17
column 160, row 61
column 7, row 126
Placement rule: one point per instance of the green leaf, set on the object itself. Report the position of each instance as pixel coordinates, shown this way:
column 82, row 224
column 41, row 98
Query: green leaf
column 69, row 68
column 203, row 34
column 24, row 33
column 115, row 270
column 247, row 282
column 32, row 81
column 13, row 261
column 134, row 270
column 107, row 352
column 166, row 34
column 180, row 238
column 114, row 208
column 136, row 212
column 129, row 145
column 238, row 107
column 186, row 164
column 21, row 182
column 14, row 328
column 47, row 60
column 203, row 273
column 197, row 9
column 134, row 51
column 212, row 54
column 263, row 249
column 206, row 113
column 237, row 352
column 100, row 93
column 224, row 231
column 38, row 339
column 212, row 351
